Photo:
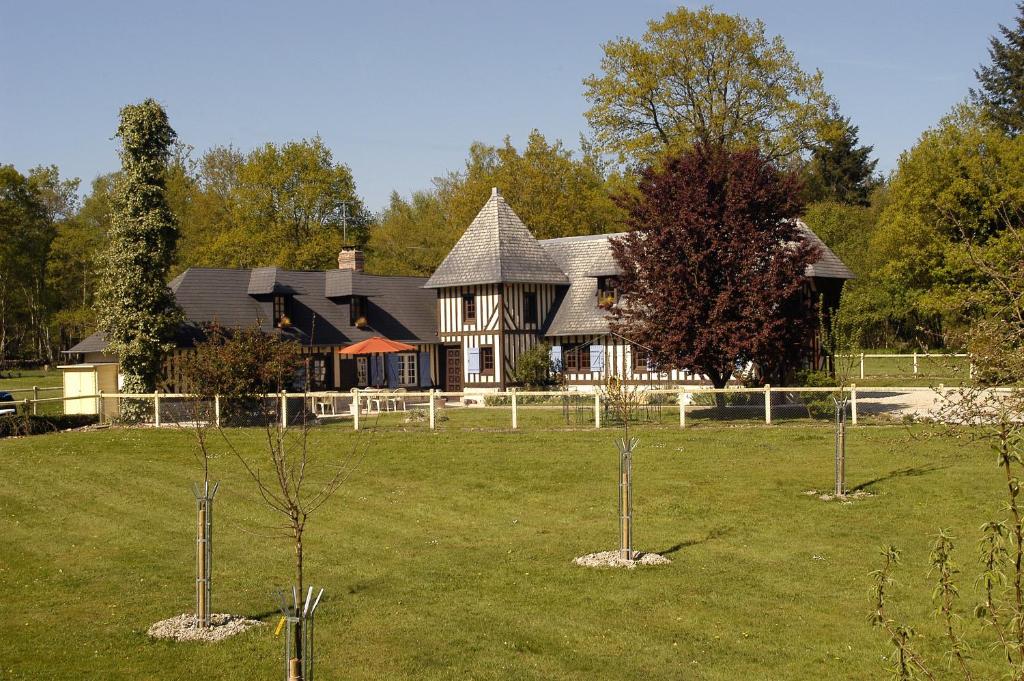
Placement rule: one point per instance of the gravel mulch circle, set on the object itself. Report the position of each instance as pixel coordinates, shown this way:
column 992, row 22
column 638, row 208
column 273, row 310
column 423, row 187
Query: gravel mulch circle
column 183, row 627
column 847, row 498
column 611, row 559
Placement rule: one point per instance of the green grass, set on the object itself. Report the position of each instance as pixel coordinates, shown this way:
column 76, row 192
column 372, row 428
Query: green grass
column 447, row 555
column 20, row 379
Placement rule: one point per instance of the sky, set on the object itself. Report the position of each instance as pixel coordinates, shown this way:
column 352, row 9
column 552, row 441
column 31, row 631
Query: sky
column 399, row 90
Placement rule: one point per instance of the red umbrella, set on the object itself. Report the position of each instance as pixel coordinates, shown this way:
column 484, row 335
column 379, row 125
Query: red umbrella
column 375, row 345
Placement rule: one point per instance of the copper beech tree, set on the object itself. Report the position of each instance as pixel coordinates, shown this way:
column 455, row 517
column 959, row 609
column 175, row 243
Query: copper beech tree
column 713, row 267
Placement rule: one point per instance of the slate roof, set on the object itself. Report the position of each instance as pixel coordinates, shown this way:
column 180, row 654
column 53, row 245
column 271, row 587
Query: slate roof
column 496, row 248
column 828, row 266
column 584, row 258
column 579, row 256
column 398, row 307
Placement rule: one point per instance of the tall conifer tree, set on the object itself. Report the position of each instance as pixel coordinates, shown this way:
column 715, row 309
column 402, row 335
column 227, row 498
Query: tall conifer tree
column 1002, row 82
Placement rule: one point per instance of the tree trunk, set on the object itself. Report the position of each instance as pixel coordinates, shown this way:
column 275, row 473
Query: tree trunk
column 718, row 380
column 297, row 651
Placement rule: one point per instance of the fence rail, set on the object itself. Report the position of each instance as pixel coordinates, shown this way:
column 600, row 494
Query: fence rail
column 916, row 363
column 684, row 406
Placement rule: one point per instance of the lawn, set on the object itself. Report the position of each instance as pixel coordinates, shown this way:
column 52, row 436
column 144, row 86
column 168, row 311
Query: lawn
column 447, row 555
column 20, row 379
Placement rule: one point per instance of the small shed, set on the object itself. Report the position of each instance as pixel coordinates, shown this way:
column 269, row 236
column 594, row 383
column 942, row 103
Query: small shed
column 84, row 381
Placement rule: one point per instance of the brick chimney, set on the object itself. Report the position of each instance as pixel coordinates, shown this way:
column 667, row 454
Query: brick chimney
column 350, row 259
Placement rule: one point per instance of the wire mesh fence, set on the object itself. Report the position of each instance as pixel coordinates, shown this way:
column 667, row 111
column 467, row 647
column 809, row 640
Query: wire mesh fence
column 410, row 411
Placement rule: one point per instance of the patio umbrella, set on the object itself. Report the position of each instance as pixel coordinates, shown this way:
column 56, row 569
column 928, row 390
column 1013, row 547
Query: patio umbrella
column 377, row 346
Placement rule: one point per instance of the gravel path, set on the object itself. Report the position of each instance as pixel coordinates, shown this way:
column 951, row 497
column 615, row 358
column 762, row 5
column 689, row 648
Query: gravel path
column 611, row 559
column 183, row 627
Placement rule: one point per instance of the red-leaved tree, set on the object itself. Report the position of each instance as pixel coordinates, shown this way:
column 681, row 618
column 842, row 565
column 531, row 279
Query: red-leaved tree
column 713, row 265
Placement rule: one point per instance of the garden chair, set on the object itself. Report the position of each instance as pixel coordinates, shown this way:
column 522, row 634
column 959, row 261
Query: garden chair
column 397, row 396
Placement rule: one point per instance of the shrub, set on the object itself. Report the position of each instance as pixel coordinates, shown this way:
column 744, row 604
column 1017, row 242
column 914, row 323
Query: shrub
column 19, row 424
column 533, row 368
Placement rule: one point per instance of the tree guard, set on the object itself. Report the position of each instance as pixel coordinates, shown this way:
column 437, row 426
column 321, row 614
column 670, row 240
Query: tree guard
column 840, row 447
column 204, row 549
column 298, row 640
column 626, row 446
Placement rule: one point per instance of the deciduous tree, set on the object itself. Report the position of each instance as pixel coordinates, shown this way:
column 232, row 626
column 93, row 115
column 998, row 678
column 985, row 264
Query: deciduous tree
column 703, row 77
column 555, row 192
column 714, row 240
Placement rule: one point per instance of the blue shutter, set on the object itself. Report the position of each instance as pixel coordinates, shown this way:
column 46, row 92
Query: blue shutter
column 473, row 360
column 597, row 358
column 391, row 364
column 425, row 381
column 556, row 358
column 376, row 369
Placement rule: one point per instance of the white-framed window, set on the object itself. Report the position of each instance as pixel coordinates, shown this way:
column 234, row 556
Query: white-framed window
column 407, row 368
column 362, row 371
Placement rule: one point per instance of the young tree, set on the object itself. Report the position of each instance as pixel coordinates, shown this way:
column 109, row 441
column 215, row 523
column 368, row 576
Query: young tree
column 1001, row 95
column 135, row 309
column 714, row 239
column 840, row 170
column 291, row 477
column 703, row 77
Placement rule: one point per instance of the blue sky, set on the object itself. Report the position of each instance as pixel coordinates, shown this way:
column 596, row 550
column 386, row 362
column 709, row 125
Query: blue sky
column 400, row 89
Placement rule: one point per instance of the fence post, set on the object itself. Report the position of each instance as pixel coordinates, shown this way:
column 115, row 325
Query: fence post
column 156, row 408
column 853, row 403
column 597, row 409
column 35, row 400
column 99, row 405
column 355, row 408
column 515, row 411
column 862, row 366
column 284, row 409
column 768, row 403
column 216, row 410
column 682, row 409
column 430, row 409
column 915, row 362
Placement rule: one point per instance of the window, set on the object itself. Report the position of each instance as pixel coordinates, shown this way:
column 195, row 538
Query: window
column 607, row 291
column 577, row 359
column 529, row 307
column 641, row 360
column 279, row 311
column 468, row 307
column 357, row 311
column 319, row 370
column 362, row 371
column 407, row 368
column 487, row 360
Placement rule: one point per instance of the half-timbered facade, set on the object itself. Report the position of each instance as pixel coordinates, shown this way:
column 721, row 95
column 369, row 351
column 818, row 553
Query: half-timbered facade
column 498, row 293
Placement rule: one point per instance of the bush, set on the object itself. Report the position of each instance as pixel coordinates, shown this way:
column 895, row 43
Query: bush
column 15, row 425
column 533, row 368
column 820, row 405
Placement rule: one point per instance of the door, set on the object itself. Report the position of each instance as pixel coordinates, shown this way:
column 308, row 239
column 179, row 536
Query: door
column 453, row 370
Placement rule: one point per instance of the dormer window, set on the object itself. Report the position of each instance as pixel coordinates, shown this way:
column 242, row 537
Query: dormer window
column 607, row 292
column 357, row 312
column 468, row 307
column 280, row 312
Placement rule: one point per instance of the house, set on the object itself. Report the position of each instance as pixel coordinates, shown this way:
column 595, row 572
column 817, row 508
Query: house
column 497, row 293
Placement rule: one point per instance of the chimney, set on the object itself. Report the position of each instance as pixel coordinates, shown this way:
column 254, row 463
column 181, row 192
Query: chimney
column 350, row 259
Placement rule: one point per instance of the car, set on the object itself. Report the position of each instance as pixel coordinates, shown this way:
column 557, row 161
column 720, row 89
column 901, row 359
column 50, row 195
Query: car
column 5, row 410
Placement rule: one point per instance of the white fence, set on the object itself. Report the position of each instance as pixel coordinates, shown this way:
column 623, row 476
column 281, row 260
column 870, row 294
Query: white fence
column 683, row 406
column 931, row 364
